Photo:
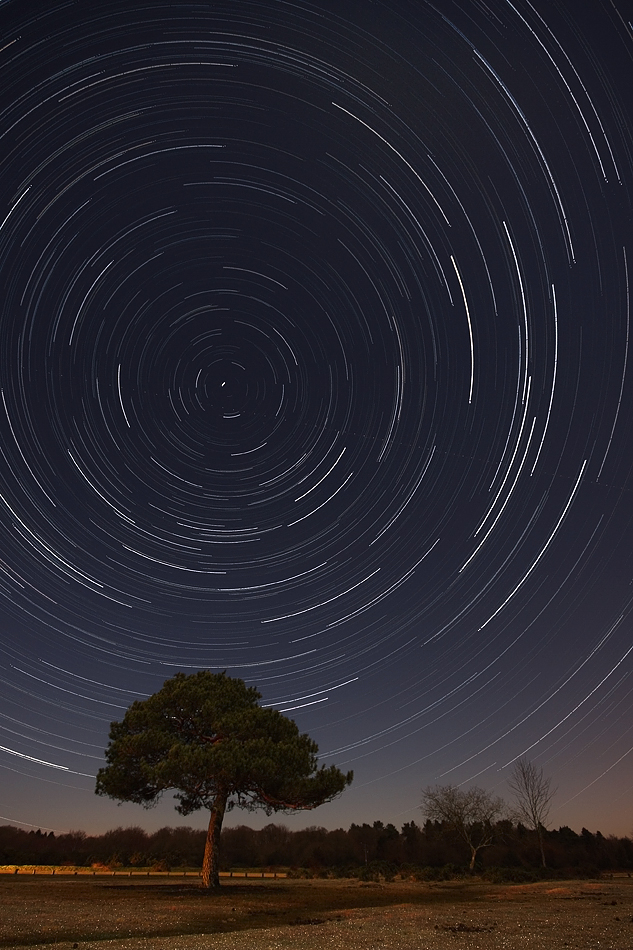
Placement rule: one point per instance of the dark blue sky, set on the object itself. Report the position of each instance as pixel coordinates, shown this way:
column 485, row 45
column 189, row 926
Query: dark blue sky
column 315, row 368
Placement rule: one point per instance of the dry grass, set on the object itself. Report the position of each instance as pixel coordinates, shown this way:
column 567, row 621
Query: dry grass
column 120, row 914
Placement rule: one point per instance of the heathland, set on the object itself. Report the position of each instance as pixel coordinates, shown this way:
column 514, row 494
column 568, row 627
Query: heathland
column 169, row 913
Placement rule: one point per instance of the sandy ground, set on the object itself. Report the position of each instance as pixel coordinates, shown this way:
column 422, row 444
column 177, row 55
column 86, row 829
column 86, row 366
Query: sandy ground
column 587, row 915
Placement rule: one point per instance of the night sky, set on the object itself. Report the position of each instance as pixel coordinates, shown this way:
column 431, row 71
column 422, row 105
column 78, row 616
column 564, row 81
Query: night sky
column 315, row 368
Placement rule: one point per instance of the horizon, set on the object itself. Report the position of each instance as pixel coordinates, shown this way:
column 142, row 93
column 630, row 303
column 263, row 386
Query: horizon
column 277, row 824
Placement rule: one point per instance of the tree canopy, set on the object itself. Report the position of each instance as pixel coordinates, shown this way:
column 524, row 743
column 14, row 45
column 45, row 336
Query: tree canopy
column 205, row 737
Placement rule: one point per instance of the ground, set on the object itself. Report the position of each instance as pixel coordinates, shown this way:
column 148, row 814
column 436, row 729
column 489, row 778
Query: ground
column 170, row 914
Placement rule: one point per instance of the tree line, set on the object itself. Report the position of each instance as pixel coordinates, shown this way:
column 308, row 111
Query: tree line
column 434, row 845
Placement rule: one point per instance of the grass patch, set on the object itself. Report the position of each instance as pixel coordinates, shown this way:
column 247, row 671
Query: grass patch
column 42, row 909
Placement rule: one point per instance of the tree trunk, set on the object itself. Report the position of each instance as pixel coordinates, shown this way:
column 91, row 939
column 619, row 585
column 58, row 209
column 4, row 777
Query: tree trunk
column 540, row 841
column 473, row 856
column 211, row 861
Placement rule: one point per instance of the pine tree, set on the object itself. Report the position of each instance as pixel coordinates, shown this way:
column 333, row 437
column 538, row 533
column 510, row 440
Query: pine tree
column 206, row 737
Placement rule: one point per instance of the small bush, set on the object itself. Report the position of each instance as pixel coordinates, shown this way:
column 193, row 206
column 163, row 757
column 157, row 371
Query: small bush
column 448, row 872
column 376, row 871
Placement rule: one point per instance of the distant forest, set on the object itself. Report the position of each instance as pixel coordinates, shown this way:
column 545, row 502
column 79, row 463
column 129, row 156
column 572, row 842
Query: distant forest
column 364, row 849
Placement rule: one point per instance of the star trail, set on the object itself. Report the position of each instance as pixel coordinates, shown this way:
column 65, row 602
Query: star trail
column 314, row 368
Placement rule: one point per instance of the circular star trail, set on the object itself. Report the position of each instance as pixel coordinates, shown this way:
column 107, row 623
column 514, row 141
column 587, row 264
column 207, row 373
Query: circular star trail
column 315, row 368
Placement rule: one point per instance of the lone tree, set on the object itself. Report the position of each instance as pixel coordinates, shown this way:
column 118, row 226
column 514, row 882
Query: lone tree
column 533, row 794
column 473, row 814
column 206, row 737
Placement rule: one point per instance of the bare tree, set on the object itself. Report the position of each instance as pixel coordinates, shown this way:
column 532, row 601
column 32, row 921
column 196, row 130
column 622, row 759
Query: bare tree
column 533, row 794
column 473, row 814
